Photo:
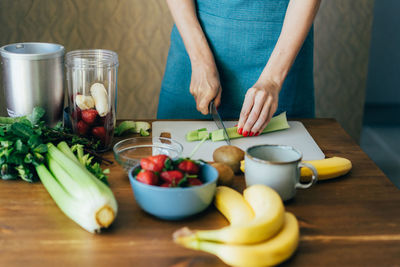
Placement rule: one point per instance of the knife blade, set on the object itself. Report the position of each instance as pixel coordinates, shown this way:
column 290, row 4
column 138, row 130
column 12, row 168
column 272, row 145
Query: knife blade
column 218, row 121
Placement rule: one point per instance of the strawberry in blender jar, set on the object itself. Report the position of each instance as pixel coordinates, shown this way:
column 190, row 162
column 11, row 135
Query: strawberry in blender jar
column 92, row 82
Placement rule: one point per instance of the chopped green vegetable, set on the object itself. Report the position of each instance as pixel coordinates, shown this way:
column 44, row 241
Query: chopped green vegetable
column 126, row 127
column 197, row 135
column 198, row 146
column 277, row 123
column 80, row 195
column 144, row 132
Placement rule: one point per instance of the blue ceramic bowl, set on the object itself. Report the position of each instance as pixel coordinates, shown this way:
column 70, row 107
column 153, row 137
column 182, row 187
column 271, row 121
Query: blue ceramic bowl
column 176, row 203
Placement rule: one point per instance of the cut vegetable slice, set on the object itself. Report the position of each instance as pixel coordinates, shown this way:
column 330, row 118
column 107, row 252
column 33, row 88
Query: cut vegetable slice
column 141, row 127
column 198, row 135
column 277, row 123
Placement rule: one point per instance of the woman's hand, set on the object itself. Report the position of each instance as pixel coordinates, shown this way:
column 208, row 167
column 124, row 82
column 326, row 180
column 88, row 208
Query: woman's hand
column 260, row 103
column 261, row 100
column 205, row 86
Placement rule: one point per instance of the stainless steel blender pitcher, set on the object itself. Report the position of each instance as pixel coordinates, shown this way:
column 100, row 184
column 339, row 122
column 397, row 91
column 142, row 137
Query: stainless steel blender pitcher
column 33, row 76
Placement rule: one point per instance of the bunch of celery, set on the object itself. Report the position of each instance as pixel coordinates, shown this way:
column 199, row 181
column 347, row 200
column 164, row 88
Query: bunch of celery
column 77, row 192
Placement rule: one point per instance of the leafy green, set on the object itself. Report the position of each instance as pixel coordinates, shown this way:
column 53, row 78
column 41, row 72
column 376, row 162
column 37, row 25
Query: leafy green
column 21, row 149
column 35, row 116
column 87, row 161
column 23, row 145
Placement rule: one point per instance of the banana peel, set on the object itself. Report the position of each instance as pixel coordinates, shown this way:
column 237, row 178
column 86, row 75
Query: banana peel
column 328, row 168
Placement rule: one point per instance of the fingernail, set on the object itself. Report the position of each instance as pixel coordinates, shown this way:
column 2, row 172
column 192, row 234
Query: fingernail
column 240, row 130
column 257, row 134
column 235, row 125
column 251, row 134
column 245, row 133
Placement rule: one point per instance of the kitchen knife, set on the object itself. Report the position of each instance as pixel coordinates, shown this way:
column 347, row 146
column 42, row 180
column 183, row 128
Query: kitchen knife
column 217, row 119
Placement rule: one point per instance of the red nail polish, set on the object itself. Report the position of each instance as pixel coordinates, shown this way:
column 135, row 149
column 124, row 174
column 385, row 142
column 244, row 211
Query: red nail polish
column 257, row 134
column 251, row 134
column 240, row 130
column 235, row 125
column 245, row 133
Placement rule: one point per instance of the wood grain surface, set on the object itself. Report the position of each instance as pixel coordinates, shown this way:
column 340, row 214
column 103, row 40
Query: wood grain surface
column 350, row 221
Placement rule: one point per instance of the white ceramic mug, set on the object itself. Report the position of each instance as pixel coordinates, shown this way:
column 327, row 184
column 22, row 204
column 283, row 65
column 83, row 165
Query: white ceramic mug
column 276, row 166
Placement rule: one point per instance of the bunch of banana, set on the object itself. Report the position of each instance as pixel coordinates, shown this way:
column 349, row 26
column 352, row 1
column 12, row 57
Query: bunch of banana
column 327, row 168
column 260, row 233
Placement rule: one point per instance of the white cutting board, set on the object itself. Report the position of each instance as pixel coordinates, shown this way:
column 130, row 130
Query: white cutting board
column 296, row 136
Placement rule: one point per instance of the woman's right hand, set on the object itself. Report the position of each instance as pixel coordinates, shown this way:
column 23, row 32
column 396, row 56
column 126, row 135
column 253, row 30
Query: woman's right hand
column 205, row 86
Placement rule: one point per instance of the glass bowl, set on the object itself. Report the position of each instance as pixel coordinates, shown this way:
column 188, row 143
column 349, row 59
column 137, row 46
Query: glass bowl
column 128, row 152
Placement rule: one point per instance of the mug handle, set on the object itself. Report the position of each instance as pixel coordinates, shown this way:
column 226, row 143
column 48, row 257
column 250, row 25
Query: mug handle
column 314, row 176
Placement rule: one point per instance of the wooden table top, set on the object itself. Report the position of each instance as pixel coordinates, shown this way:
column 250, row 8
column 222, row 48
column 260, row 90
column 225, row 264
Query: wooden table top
column 350, row 221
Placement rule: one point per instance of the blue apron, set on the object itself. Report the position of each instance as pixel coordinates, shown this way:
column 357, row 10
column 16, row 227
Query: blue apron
column 241, row 35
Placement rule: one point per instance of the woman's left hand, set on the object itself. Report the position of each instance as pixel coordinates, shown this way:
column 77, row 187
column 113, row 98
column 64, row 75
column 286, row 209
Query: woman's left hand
column 260, row 103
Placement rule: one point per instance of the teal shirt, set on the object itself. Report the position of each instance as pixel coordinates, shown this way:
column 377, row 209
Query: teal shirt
column 242, row 35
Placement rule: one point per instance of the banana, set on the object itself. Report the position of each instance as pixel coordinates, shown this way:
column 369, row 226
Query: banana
column 242, row 165
column 269, row 215
column 84, row 102
column 327, row 168
column 270, row 252
column 233, row 206
column 100, row 97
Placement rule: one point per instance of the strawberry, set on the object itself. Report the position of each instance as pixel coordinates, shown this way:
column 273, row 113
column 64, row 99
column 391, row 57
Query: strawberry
column 147, row 164
column 76, row 114
column 147, row 177
column 194, row 182
column 189, row 167
column 166, row 184
column 172, row 177
column 153, row 163
column 99, row 132
column 89, row 116
column 106, row 121
column 82, row 128
column 159, row 161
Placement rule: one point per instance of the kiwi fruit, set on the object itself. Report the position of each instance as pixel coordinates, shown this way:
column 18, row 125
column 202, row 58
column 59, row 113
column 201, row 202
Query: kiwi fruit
column 225, row 173
column 230, row 155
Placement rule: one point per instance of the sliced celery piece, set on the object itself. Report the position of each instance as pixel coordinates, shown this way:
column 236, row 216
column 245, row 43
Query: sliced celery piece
column 197, row 135
column 277, row 123
column 192, row 136
column 204, row 134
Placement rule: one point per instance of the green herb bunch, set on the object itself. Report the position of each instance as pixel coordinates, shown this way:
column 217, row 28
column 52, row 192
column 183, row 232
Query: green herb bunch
column 23, row 144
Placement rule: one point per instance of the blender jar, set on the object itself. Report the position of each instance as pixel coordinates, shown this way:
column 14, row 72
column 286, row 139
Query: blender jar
column 92, row 88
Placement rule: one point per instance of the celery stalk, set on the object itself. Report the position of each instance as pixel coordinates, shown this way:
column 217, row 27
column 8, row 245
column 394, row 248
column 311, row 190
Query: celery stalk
column 64, row 200
column 77, row 192
column 197, row 135
column 63, row 146
column 277, row 123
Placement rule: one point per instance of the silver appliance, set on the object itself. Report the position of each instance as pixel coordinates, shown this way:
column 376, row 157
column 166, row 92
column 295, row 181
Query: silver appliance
column 33, row 76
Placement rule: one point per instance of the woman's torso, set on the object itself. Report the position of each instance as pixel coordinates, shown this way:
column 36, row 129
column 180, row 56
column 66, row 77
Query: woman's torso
column 242, row 35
